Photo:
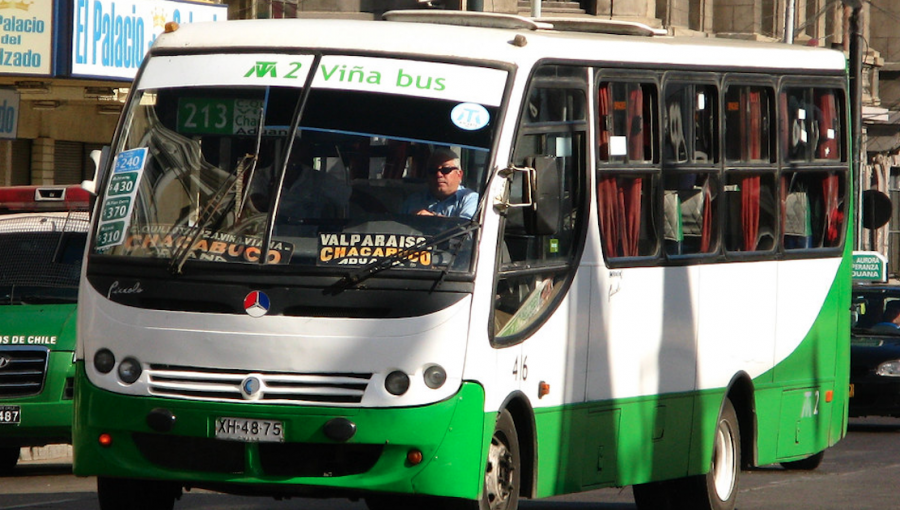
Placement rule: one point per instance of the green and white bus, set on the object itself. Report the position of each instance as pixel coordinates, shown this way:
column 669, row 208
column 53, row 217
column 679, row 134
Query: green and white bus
column 43, row 230
column 653, row 290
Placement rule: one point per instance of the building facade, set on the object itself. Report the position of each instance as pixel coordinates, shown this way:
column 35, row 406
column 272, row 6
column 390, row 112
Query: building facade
column 65, row 69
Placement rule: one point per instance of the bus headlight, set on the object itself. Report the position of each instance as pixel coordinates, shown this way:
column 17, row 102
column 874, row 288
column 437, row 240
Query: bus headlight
column 129, row 370
column 396, row 383
column 104, row 361
column 435, row 376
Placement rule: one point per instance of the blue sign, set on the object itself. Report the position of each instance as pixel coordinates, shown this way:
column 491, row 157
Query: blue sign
column 111, row 37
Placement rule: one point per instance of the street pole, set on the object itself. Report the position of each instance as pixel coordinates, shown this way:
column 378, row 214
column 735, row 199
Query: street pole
column 857, row 159
column 789, row 22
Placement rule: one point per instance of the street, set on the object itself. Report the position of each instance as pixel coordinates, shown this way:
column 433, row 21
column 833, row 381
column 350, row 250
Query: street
column 859, row 473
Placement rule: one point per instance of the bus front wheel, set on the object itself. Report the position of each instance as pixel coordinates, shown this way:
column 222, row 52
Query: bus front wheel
column 502, row 471
column 129, row 494
column 502, row 474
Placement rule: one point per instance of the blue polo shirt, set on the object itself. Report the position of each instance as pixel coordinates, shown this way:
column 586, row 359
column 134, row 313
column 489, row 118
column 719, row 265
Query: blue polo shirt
column 463, row 203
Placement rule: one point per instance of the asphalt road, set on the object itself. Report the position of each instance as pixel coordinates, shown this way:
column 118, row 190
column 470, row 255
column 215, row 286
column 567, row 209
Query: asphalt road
column 861, row 473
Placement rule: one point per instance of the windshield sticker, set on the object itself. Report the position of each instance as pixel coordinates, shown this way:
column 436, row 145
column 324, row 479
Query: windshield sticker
column 470, row 116
column 115, row 215
column 412, row 78
column 363, row 249
column 209, row 245
column 226, row 69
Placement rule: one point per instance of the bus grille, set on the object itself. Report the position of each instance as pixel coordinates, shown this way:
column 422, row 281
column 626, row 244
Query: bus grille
column 22, row 371
column 265, row 387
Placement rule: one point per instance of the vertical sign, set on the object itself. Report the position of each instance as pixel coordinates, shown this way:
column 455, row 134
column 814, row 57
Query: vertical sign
column 115, row 215
column 26, row 37
column 9, row 114
column 111, row 37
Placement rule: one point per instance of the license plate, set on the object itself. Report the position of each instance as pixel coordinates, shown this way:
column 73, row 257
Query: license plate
column 10, row 414
column 251, row 431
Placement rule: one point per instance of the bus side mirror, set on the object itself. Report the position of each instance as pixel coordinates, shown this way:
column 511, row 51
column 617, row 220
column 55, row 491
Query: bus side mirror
column 536, row 190
column 99, row 158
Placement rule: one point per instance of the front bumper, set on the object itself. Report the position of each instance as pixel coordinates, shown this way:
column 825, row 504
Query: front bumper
column 46, row 418
column 450, row 434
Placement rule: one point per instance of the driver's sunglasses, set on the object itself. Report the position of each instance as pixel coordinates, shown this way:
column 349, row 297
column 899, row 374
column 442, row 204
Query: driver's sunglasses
column 446, row 169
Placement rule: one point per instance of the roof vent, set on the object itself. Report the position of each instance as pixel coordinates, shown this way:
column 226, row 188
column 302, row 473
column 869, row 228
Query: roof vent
column 467, row 19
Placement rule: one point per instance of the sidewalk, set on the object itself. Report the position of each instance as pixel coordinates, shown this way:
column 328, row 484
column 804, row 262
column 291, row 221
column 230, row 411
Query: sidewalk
column 45, row 453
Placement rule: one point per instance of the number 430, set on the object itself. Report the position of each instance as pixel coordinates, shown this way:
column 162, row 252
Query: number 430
column 520, row 368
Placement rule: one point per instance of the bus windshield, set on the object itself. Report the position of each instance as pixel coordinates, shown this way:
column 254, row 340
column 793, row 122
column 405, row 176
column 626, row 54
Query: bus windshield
column 332, row 164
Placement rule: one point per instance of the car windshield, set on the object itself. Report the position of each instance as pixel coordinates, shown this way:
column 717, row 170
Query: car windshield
column 331, row 164
column 876, row 312
column 40, row 257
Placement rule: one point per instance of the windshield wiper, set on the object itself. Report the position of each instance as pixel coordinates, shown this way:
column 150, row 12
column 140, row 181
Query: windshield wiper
column 373, row 268
column 209, row 213
column 213, row 206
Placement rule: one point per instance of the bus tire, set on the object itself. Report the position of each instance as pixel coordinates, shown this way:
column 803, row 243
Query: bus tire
column 808, row 464
column 503, row 470
column 717, row 489
column 129, row 494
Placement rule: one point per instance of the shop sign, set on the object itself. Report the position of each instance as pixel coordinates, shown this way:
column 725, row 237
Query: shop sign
column 26, row 37
column 111, row 37
column 9, row 114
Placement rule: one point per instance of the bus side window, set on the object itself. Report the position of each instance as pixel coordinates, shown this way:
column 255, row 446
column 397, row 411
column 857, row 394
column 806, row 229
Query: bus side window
column 813, row 209
column 811, row 124
column 691, row 123
column 750, row 207
column 691, row 182
column 627, row 120
column 533, row 267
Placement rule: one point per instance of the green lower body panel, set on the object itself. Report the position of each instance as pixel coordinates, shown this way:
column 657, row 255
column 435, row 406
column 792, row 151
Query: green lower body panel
column 47, row 417
column 615, row 443
column 450, row 435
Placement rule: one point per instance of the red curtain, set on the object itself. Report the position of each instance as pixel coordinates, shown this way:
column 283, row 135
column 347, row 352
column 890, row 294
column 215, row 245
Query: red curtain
column 620, row 214
column 828, row 147
column 834, row 217
column 751, row 134
column 602, row 129
column 635, row 124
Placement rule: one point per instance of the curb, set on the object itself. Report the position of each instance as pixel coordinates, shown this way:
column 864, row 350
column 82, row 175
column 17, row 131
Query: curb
column 44, row 453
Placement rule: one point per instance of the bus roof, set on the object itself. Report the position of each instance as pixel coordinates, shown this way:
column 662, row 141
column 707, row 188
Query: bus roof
column 517, row 43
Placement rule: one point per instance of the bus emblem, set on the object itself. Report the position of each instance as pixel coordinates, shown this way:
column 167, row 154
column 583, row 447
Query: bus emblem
column 256, row 304
column 251, row 387
column 4, row 361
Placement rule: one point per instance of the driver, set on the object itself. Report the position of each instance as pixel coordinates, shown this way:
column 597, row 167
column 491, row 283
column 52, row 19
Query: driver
column 445, row 195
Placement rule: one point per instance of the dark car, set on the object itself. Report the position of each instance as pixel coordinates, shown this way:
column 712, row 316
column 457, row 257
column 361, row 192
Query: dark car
column 875, row 351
